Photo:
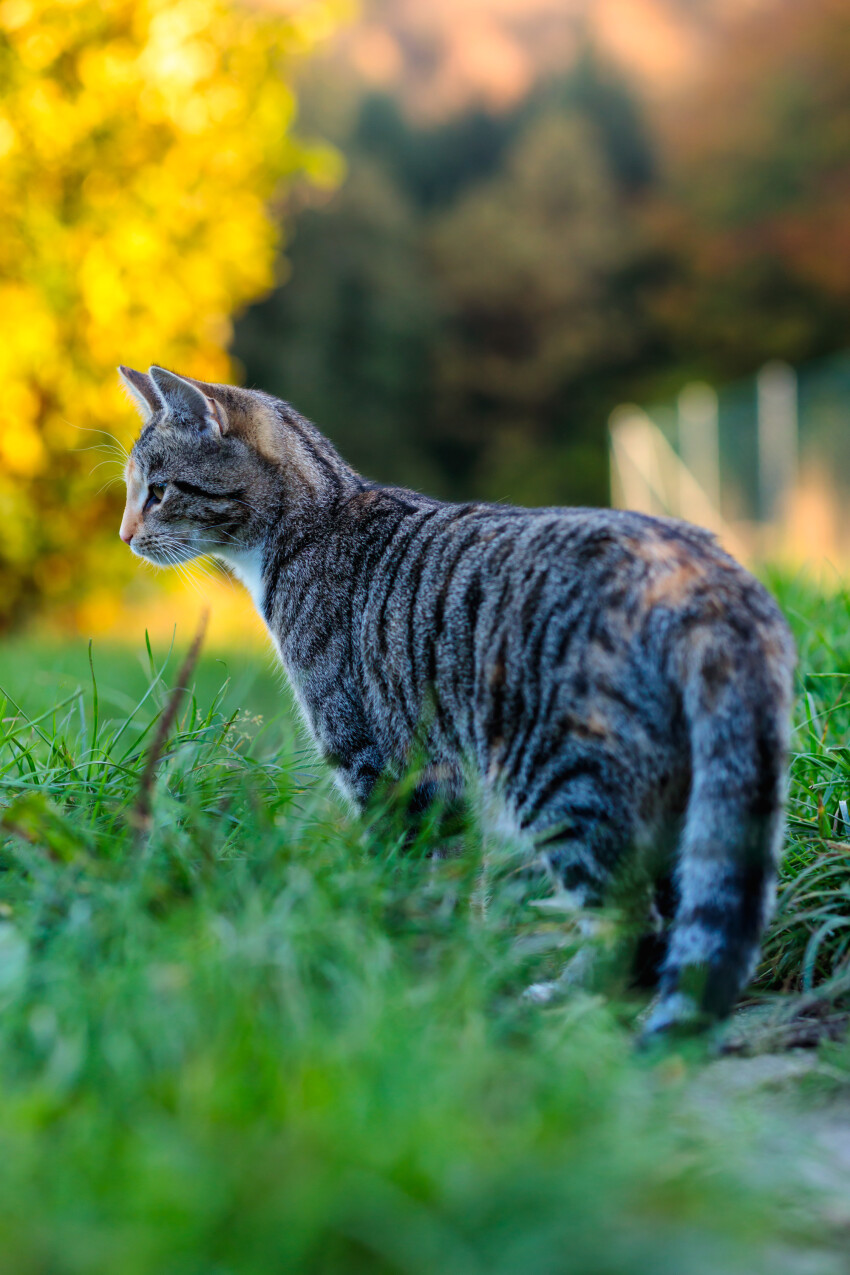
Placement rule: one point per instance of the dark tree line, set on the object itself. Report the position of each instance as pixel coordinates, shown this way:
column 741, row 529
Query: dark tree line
column 466, row 311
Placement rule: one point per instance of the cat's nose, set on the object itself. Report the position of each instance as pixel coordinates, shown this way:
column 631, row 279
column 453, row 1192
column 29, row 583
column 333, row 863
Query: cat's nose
column 129, row 526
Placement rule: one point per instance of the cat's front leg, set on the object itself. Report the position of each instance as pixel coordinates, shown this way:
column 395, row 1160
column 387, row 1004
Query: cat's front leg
column 356, row 776
column 437, row 806
column 431, row 801
column 341, row 730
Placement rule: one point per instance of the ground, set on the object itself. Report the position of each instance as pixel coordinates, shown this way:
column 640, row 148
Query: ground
column 244, row 1032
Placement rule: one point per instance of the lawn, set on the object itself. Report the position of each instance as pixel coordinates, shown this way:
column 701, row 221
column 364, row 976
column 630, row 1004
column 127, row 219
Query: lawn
column 245, row 1033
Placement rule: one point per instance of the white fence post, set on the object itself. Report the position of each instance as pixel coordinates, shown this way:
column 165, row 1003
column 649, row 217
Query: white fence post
column 699, row 439
column 647, row 475
column 777, row 437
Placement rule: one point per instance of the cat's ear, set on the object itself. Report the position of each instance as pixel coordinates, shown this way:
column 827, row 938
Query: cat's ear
column 188, row 404
column 142, row 391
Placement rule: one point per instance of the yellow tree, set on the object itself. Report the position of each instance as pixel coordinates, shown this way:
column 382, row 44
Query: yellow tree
column 140, row 144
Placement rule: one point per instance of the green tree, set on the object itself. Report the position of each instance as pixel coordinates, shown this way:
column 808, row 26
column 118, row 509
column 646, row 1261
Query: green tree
column 753, row 210
column 347, row 339
column 462, row 314
column 531, row 263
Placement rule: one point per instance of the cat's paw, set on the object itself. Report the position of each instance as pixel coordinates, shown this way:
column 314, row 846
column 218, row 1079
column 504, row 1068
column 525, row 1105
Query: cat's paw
column 577, row 974
column 542, row 993
column 672, row 1019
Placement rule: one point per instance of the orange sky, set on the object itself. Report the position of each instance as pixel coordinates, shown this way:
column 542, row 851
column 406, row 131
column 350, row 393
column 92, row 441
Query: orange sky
column 441, row 55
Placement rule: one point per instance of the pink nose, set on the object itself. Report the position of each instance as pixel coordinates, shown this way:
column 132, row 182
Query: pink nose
column 126, row 536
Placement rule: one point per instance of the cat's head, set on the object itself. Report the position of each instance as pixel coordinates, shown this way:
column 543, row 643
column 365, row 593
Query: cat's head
column 212, row 465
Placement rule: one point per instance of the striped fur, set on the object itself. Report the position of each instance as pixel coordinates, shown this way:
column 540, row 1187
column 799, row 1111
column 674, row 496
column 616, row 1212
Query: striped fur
column 617, row 683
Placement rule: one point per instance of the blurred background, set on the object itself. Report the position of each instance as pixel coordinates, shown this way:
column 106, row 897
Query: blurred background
column 540, row 251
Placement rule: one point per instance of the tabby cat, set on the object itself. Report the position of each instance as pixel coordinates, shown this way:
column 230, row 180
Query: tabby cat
column 618, row 685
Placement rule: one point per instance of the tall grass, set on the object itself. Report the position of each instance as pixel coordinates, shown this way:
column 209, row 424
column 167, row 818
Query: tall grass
column 242, row 1032
column 809, row 943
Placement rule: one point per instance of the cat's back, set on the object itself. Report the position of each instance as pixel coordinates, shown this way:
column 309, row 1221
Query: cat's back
column 613, row 589
column 462, row 590
column 465, row 567
column 464, row 557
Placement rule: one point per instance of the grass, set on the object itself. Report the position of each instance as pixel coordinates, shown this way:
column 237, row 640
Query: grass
column 249, row 1034
column 809, row 943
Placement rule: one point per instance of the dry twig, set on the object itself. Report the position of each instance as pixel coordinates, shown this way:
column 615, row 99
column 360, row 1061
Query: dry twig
column 140, row 816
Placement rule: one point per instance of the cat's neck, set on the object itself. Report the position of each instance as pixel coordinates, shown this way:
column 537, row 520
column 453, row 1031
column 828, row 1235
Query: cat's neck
column 247, row 566
column 292, row 520
column 277, row 565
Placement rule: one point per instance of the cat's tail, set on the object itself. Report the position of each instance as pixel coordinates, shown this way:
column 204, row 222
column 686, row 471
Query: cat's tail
column 736, row 694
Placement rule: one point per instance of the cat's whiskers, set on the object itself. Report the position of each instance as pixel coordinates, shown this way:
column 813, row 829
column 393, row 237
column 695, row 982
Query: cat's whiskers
column 197, row 565
column 188, row 578
column 185, row 574
column 172, row 549
column 116, row 478
column 217, row 544
column 110, row 482
column 114, row 440
column 253, row 508
column 110, row 460
column 101, row 447
column 220, row 528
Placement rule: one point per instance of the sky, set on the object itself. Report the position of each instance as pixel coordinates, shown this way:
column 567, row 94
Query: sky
column 444, row 55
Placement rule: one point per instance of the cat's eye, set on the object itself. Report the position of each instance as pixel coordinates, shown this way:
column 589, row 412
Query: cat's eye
column 156, row 491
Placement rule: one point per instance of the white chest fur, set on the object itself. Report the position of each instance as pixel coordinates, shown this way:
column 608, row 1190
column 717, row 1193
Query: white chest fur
column 247, row 566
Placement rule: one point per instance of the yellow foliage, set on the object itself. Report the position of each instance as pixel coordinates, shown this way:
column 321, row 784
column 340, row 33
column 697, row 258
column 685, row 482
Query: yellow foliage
column 140, row 144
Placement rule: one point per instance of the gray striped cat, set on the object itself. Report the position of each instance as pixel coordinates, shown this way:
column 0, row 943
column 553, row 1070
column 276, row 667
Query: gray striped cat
column 617, row 684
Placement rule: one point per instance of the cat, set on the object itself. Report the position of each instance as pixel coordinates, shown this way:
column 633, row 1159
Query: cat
column 618, row 685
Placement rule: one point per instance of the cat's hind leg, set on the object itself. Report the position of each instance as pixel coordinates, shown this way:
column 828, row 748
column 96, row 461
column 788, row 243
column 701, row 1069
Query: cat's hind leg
column 577, row 857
